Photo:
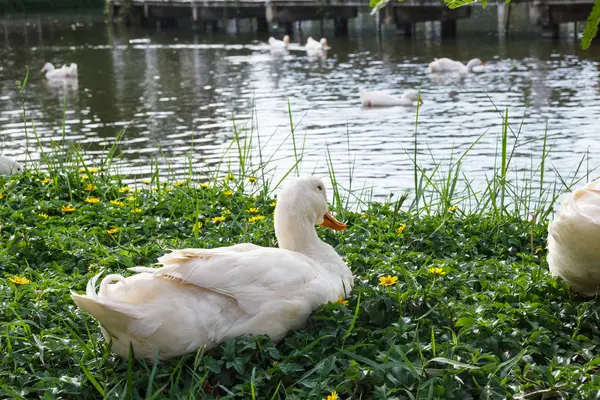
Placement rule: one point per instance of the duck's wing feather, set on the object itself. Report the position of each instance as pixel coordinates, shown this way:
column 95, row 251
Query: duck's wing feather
column 251, row 275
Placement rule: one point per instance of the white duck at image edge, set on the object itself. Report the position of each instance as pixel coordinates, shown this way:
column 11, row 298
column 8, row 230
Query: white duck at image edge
column 280, row 44
column 201, row 297
column 573, row 236
column 66, row 71
column 312, row 44
column 8, row 166
column 448, row 65
column 381, row 99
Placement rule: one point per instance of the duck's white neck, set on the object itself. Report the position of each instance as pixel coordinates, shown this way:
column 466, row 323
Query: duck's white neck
column 297, row 233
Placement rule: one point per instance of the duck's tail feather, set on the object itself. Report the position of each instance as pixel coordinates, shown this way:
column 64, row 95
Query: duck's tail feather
column 112, row 314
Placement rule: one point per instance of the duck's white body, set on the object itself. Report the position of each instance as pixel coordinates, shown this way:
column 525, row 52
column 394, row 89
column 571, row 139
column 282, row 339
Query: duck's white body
column 313, row 45
column 279, row 44
column 381, row 99
column 573, row 237
column 448, row 65
column 8, row 166
column 66, row 71
column 201, row 297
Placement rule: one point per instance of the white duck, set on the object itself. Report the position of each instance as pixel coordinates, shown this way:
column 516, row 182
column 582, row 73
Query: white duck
column 8, row 166
column 279, row 44
column 313, row 45
column 448, row 65
column 573, row 251
column 65, row 71
column 201, row 297
column 381, row 99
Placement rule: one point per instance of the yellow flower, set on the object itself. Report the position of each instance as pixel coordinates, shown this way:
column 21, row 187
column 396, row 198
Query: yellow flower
column 90, row 187
column 179, row 184
column 92, row 200
column 197, row 227
column 44, row 181
column 252, row 179
column 43, row 215
column 146, row 181
column 90, row 170
column 452, row 209
column 136, row 210
column 2, row 196
column 217, row 219
column 84, row 177
column 228, row 193
column 437, row 271
column 154, row 189
column 253, row 210
column 388, row 280
column 342, row 301
column 19, row 280
column 112, row 231
column 130, row 198
column 124, row 189
column 332, row 396
column 117, row 203
column 204, row 185
column 11, row 182
column 67, row 209
column 273, row 204
column 226, row 212
column 400, row 229
column 168, row 189
column 256, row 218
column 365, row 216
column 229, row 177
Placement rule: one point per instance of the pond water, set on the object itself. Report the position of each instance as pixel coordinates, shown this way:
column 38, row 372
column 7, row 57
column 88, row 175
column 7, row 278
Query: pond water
column 173, row 88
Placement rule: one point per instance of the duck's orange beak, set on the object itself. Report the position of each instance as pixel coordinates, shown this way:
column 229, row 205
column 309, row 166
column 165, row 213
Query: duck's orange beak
column 329, row 221
column 43, row 70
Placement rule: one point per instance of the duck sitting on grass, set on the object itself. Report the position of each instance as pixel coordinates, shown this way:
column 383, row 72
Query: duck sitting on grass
column 8, row 166
column 573, row 252
column 201, row 297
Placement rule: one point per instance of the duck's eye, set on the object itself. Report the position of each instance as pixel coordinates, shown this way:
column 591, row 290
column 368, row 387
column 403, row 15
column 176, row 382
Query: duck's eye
column 320, row 187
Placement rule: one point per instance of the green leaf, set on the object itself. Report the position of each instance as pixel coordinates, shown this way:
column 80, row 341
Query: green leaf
column 456, row 364
column 591, row 27
column 465, row 321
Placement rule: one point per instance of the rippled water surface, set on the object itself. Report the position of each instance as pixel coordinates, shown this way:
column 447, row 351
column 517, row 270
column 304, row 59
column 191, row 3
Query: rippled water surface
column 175, row 88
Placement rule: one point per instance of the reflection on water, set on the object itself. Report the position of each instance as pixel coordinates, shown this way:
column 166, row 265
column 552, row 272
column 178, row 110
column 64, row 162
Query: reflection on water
column 174, row 88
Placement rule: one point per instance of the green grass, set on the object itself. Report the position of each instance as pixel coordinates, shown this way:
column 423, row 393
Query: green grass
column 489, row 322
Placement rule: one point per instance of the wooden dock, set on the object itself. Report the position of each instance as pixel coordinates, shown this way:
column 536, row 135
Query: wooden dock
column 547, row 14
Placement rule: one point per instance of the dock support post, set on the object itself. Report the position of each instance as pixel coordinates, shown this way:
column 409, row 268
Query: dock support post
column 194, row 13
column 550, row 31
column 289, row 28
column 262, row 26
column 340, row 27
column 404, row 29
column 448, row 28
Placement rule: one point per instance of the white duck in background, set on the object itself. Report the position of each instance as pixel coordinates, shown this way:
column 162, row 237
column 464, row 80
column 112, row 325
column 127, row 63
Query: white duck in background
column 66, row 71
column 448, row 65
column 279, row 44
column 313, row 45
column 381, row 99
column 201, row 297
column 8, row 166
column 573, row 236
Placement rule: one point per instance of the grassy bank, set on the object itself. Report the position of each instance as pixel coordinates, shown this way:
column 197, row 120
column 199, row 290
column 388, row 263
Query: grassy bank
column 452, row 300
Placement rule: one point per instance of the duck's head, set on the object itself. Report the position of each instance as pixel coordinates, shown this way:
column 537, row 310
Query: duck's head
column 412, row 95
column 286, row 39
column 323, row 42
column 473, row 63
column 47, row 67
column 301, row 205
